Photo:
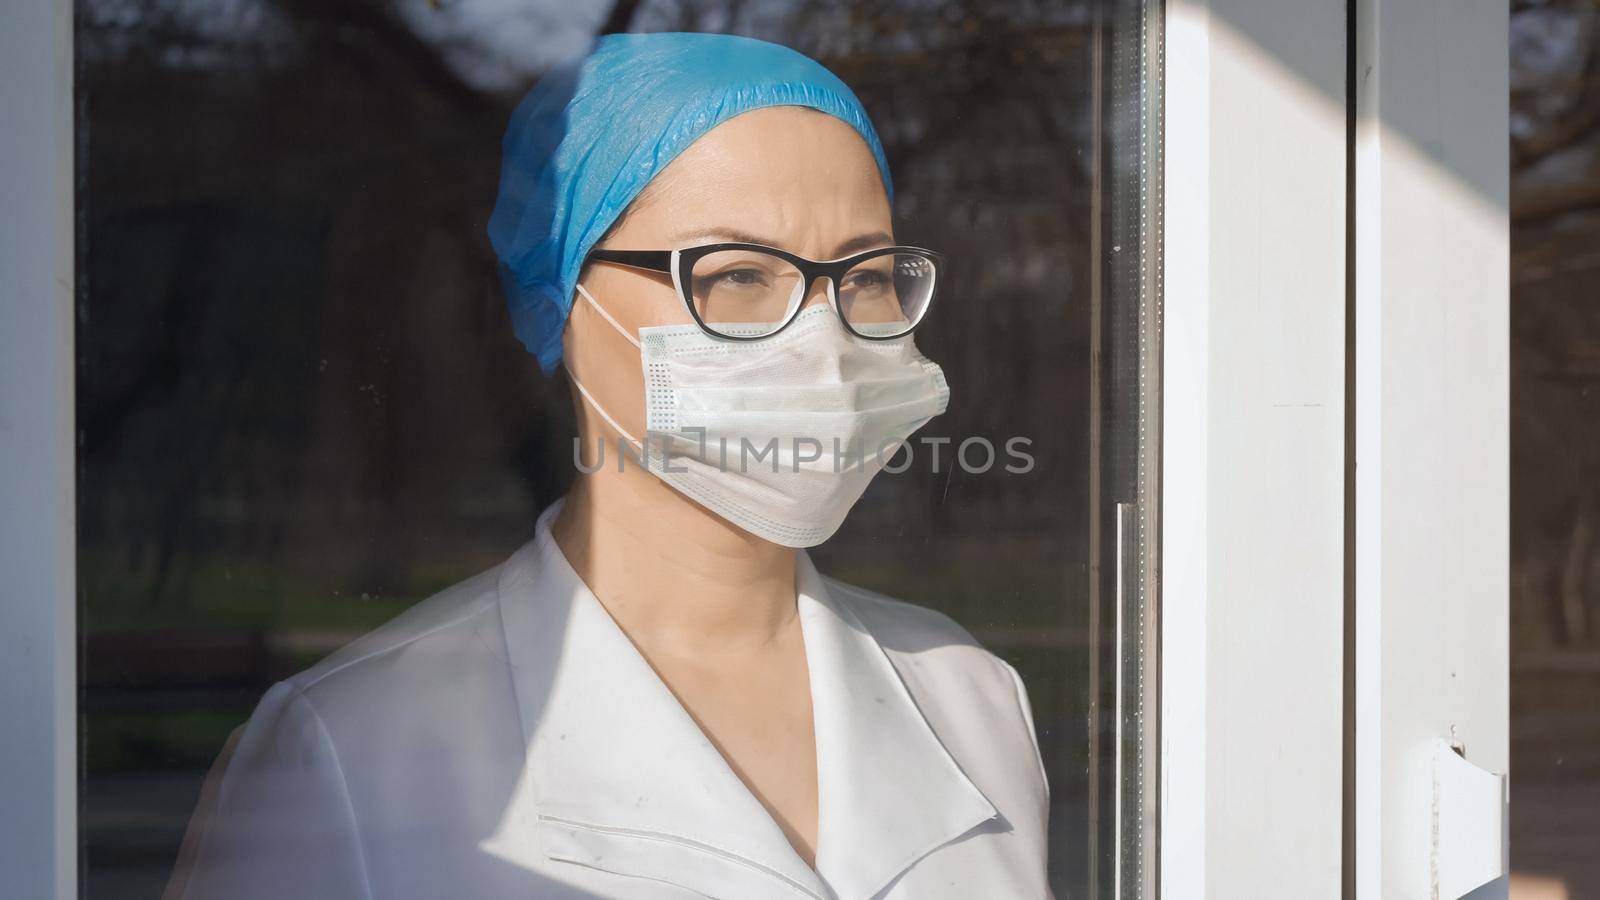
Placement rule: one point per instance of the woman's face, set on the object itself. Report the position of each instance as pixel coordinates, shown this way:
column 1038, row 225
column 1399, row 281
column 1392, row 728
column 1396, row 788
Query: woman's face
column 784, row 176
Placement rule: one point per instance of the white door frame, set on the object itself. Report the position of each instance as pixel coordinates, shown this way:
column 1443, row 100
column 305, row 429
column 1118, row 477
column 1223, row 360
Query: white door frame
column 1432, row 494
column 1253, row 403
column 38, row 646
column 1266, row 758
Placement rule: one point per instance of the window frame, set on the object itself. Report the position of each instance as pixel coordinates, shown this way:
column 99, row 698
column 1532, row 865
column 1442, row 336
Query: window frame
column 1335, row 514
column 38, row 613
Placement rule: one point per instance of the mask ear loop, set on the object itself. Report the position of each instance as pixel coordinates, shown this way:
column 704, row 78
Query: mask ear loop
column 601, row 410
column 585, row 391
column 607, row 316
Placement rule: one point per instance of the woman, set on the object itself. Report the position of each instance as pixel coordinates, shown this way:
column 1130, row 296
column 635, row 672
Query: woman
column 658, row 696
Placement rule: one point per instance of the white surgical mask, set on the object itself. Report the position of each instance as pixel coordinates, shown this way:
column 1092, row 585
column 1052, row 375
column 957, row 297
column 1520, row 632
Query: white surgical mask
column 832, row 408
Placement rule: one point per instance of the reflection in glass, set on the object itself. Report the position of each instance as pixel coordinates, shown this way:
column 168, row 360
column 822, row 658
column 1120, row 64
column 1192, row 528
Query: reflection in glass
column 302, row 409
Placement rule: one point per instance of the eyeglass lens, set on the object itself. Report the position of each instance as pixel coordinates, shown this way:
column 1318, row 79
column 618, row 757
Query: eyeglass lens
column 748, row 292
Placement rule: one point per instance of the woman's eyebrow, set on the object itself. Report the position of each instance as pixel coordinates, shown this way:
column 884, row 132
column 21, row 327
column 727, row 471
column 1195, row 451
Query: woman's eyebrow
column 863, row 242
column 735, row 236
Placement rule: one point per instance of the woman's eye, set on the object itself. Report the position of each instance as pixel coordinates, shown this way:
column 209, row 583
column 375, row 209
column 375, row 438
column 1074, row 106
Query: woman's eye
column 866, row 281
column 737, row 278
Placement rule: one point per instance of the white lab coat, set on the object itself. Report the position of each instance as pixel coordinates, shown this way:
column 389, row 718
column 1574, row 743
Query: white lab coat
column 504, row 738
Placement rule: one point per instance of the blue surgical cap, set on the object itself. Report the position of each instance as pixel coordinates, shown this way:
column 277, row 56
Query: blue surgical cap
column 589, row 136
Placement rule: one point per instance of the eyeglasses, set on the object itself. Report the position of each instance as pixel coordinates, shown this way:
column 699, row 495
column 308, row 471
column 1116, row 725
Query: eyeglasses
column 746, row 292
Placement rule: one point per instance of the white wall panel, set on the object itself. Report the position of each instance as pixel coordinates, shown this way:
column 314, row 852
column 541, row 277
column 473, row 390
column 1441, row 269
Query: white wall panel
column 1432, row 418
column 1253, row 449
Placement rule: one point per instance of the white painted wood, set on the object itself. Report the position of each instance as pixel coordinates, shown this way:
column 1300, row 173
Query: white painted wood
column 1184, row 424
column 1432, row 381
column 38, row 749
column 1253, row 455
column 1469, row 820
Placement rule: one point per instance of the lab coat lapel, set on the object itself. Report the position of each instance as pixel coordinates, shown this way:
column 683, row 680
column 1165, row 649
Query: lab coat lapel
column 618, row 776
column 890, row 793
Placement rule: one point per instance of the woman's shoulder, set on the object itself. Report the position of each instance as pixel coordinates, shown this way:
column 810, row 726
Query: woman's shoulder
column 306, row 787
column 402, row 690
column 410, row 647
column 906, row 628
column 975, row 701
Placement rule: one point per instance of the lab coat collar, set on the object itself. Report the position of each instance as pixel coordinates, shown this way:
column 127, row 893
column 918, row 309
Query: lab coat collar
column 619, row 777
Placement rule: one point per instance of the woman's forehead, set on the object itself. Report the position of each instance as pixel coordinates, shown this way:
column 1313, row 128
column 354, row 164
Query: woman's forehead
column 760, row 168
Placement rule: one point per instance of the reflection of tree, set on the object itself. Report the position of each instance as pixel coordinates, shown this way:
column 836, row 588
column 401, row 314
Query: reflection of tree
column 296, row 363
column 1556, row 109
column 1555, row 208
column 1555, row 437
column 369, row 37
column 620, row 17
column 392, row 409
column 296, row 368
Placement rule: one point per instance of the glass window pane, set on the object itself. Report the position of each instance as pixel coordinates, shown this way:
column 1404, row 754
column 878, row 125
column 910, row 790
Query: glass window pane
column 303, row 409
column 1555, row 408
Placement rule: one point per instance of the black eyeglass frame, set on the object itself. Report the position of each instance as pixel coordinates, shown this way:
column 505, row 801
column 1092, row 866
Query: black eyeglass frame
column 679, row 264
